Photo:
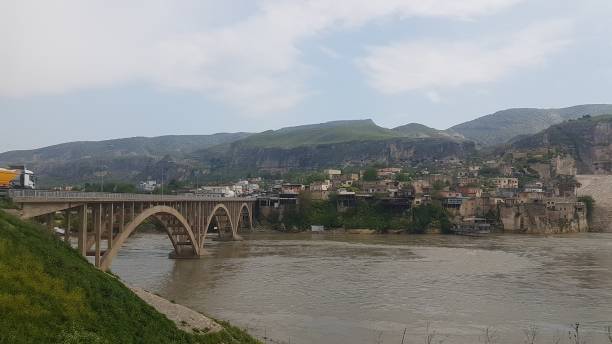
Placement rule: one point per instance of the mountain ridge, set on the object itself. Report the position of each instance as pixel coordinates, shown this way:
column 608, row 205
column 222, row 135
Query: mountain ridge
column 340, row 143
column 502, row 126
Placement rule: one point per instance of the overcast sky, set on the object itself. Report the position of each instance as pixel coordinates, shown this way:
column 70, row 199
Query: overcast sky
column 90, row 70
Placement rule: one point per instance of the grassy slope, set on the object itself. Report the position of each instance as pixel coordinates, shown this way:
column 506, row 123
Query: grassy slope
column 331, row 132
column 50, row 294
column 416, row 130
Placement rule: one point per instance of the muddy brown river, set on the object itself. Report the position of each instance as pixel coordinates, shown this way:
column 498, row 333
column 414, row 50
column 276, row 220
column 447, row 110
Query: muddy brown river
column 332, row 288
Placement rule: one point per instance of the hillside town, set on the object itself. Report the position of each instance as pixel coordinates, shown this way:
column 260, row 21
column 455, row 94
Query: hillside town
column 524, row 192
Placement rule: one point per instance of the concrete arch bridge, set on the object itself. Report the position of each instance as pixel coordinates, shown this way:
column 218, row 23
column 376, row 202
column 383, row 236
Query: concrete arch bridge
column 104, row 221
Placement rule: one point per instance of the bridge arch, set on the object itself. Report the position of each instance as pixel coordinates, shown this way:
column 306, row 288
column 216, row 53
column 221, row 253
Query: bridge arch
column 240, row 217
column 211, row 217
column 111, row 253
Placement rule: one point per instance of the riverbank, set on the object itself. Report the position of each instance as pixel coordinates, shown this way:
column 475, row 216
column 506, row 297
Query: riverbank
column 185, row 318
column 51, row 294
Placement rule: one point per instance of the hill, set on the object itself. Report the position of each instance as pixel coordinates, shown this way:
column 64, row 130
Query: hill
column 50, row 294
column 499, row 127
column 331, row 144
column 323, row 133
column 123, row 159
column 416, row 130
column 176, row 145
column 588, row 140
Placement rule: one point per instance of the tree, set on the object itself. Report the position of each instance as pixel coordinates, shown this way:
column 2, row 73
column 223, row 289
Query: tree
column 403, row 177
column 370, row 174
column 429, row 215
column 314, row 177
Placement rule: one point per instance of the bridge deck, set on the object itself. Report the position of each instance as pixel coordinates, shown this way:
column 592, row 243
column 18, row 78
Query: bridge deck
column 20, row 196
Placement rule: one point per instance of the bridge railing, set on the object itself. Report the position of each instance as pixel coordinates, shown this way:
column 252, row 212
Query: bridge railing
column 44, row 195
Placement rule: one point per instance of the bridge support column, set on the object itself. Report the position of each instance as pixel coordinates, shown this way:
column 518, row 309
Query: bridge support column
column 111, row 224
column 122, row 220
column 50, row 220
column 68, row 218
column 82, row 235
column 98, row 232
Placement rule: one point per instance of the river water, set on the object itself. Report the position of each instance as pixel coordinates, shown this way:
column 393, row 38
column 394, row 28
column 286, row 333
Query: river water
column 339, row 288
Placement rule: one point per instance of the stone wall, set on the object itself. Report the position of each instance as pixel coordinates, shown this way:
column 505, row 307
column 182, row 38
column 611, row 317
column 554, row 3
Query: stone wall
column 600, row 188
column 547, row 217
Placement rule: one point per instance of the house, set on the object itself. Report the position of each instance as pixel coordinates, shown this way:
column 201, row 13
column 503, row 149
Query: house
column 388, row 172
column 474, row 170
column 374, row 187
column 453, row 203
column 147, row 186
column 292, row 189
column 320, row 190
column 475, row 207
column 320, row 186
column 217, row 191
column 530, row 197
column 344, row 180
column 439, row 178
column 421, row 200
column 467, row 181
column 505, row 183
column 421, row 186
column 331, row 173
column 471, row 191
column 534, row 187
column 450, row 194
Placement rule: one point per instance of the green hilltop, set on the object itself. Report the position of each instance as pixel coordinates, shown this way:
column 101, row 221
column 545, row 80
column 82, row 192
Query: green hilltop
column 324, row 133
column 335, row 132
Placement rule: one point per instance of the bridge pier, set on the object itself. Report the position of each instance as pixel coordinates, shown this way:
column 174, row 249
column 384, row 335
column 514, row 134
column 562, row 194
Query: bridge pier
column 82, row 234
column 67, row 225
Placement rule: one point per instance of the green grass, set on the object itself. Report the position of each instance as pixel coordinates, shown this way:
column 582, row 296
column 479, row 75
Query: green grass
column 50, row 294
column 324, row 133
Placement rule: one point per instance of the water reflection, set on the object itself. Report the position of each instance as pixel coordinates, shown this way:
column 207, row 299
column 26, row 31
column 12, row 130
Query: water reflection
column 315, row 288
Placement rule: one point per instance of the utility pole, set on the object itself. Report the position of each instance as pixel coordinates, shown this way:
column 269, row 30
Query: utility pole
column 162, row 183
column 101, row 173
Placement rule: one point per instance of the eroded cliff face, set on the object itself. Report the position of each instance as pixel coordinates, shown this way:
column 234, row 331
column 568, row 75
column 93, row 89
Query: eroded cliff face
column 601, row 152
column 361, row 153
column 600, row 188
column 588, row 141
column 545, row 218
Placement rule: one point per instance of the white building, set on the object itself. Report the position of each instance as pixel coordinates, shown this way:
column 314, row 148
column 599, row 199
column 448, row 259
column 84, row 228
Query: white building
column 217, row 191
column 147, row 186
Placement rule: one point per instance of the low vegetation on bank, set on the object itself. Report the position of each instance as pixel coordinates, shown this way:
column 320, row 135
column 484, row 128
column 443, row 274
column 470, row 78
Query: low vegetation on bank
column 50, row 294
column 370, row 215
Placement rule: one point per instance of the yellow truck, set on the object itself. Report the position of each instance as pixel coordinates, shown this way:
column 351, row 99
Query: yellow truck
column 17, row 177
column 6, row 177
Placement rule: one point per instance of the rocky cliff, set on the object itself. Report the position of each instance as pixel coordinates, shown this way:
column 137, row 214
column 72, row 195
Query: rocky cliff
column 353, row 153
column 551, row 217
column 600, row 188
column 588, row 140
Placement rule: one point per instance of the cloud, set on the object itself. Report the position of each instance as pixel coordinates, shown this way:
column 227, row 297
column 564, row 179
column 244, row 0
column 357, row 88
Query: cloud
column 433, row 96
column 425, row 65
column 251, row 61
column 331, row 53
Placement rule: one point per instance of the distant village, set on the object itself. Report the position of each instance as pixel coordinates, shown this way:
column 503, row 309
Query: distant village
column 529, row 192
